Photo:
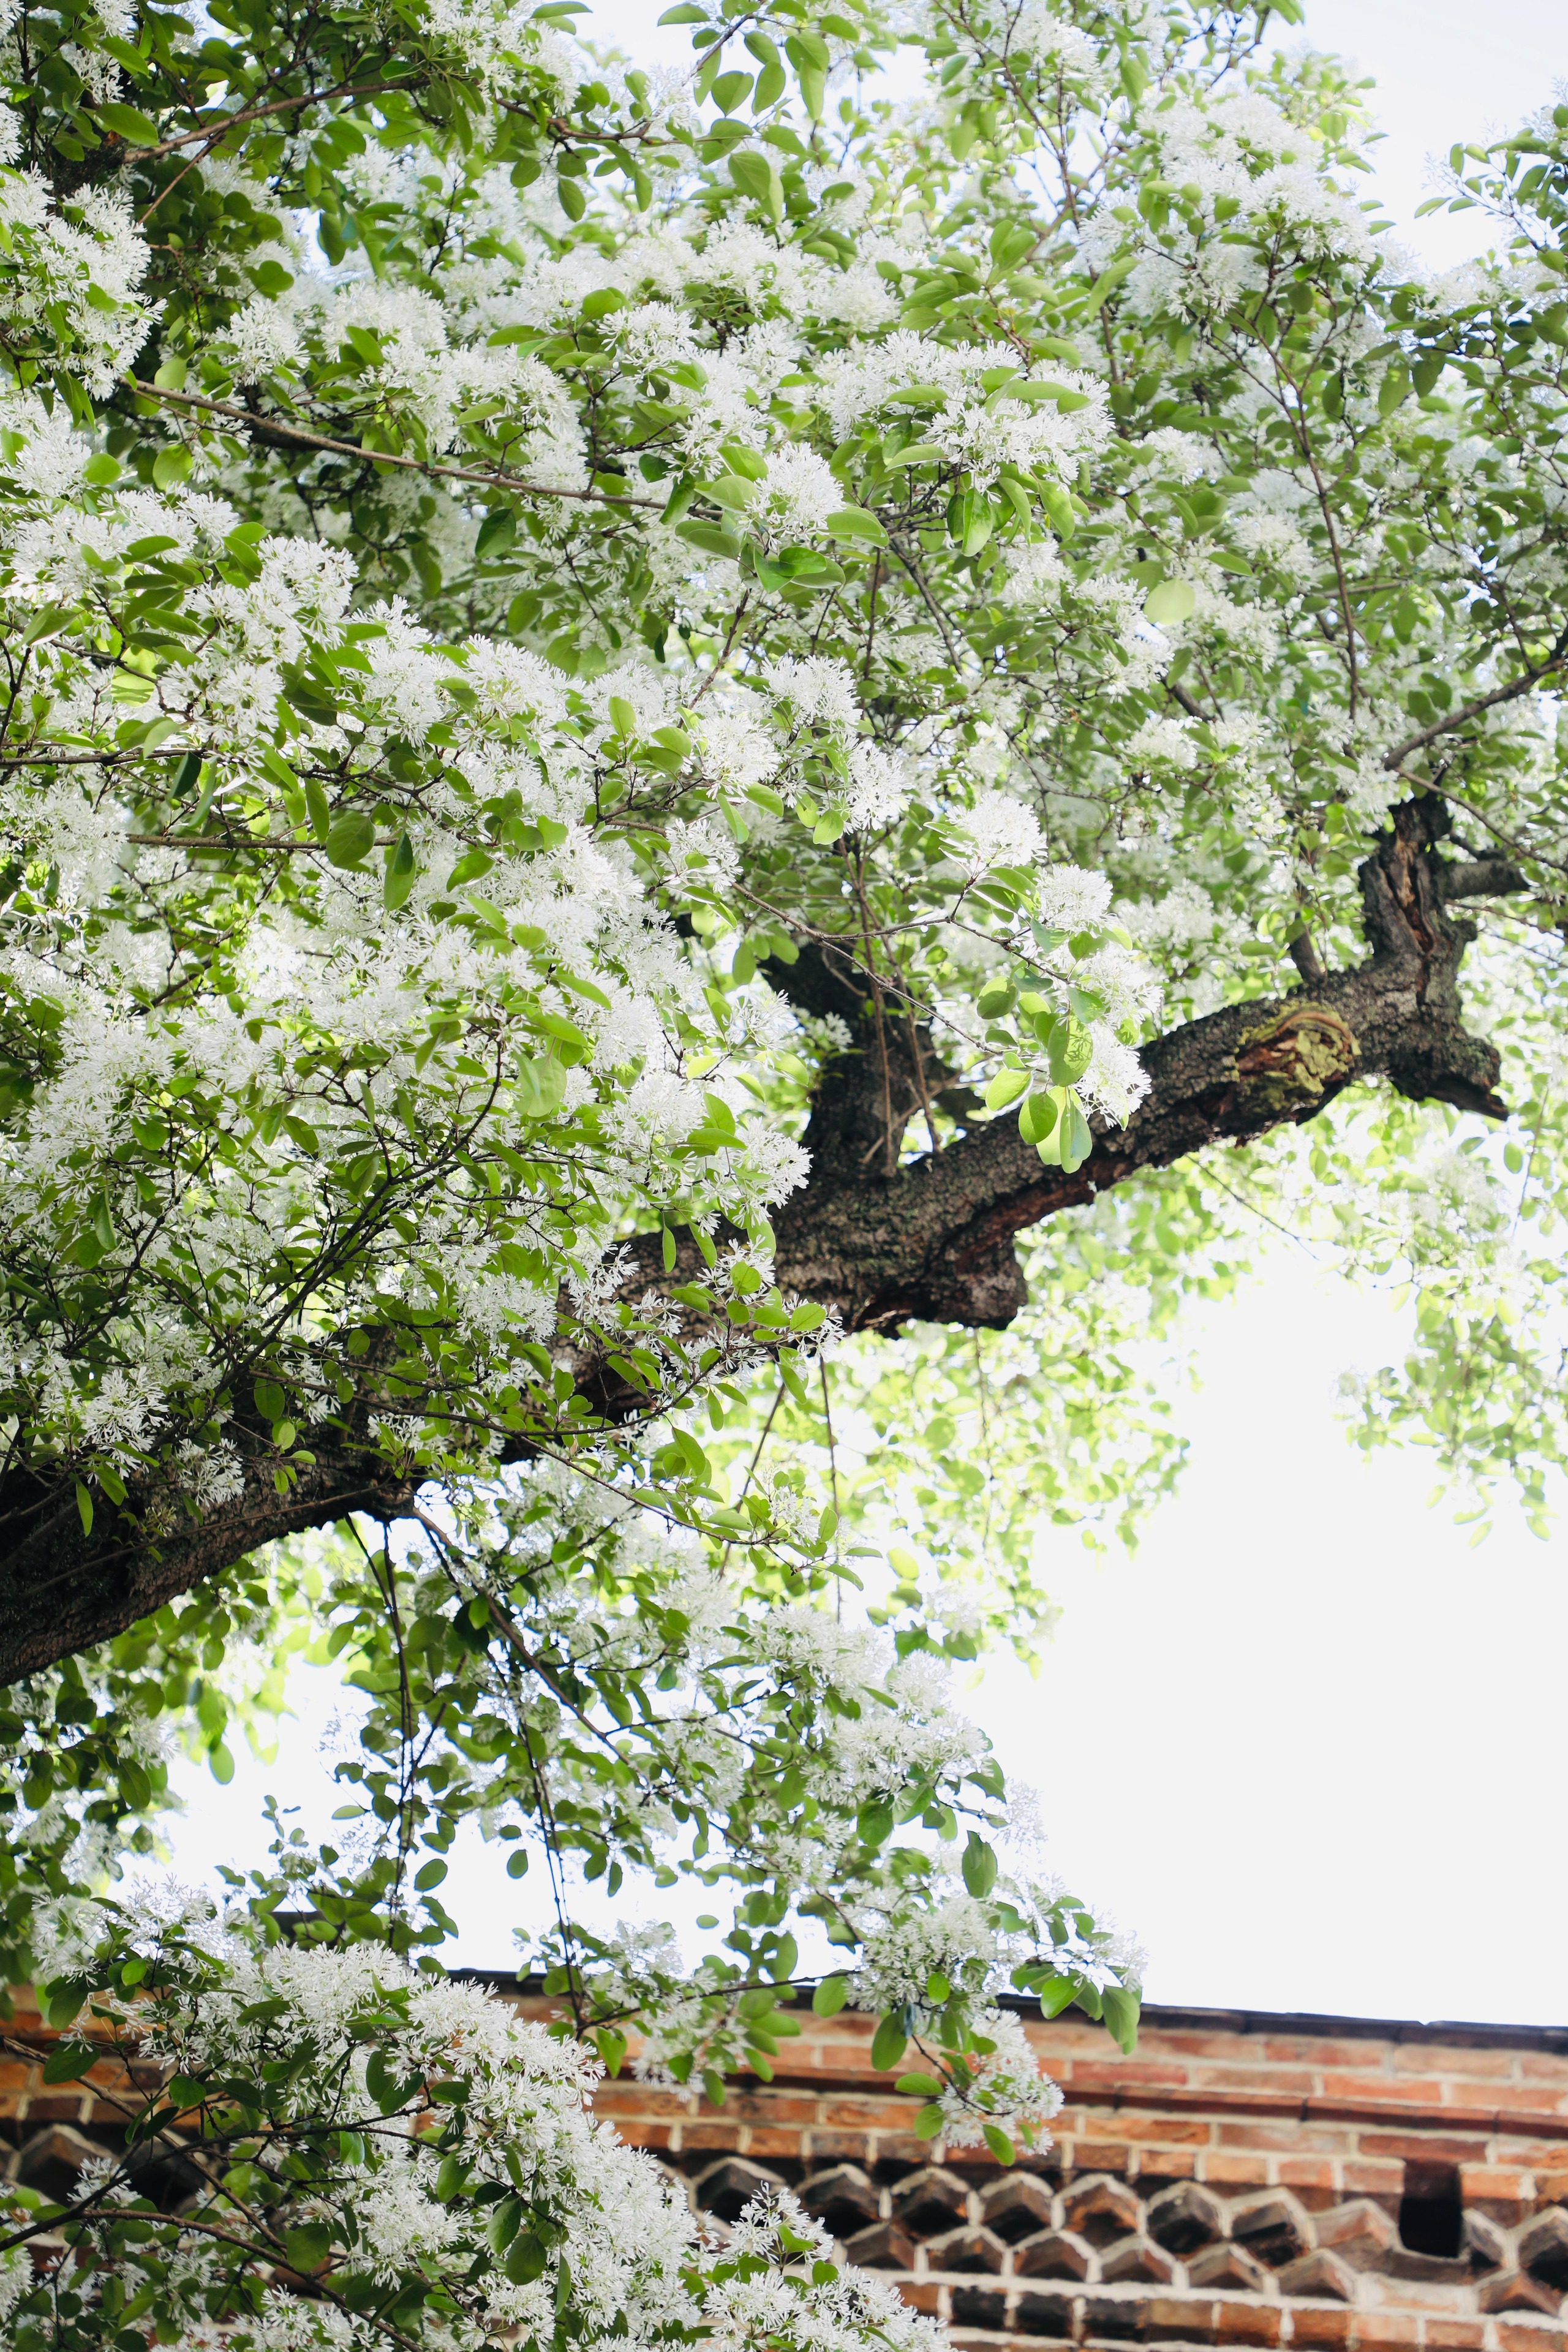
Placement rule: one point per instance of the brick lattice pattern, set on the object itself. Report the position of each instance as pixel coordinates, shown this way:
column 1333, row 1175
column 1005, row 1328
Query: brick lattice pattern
column 1339, row 2184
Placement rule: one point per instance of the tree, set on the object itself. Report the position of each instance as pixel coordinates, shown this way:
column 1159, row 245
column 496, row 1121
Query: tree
column 643, row 723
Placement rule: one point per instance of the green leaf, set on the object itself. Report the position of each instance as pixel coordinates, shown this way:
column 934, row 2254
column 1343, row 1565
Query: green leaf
column 1071, row 1052
column 401, row 874
column 1037, row 1118
column 526, row 2260
column 830, row 1996
column 1075, row 1139
column 318, row 809
column 1056, row 1996
column 49, row 623
column 351, row 838
column 128, row 122
column 997, row 2141
column 70, row 2061
column 1005, row 1088
column 856, row 522
column 1394, row 390
column 171, row 466
column 309, row 2246
column 271, row 1399
column 497, row 533
column 710, row 537
column 979, row 1866
column 1171, row 601
column 1121, row 2007
column 84, row 1507
column 472, row 867
column 541, row 1087
column 919, row 2086
column 887, row 2044
column 504, row 2223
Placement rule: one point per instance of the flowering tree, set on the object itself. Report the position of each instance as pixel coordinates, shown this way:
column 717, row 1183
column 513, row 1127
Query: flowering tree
column 644, row 719
column 371, row 2158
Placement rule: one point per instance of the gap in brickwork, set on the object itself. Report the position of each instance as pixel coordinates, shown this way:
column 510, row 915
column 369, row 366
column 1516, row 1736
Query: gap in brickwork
column 1431, row 2210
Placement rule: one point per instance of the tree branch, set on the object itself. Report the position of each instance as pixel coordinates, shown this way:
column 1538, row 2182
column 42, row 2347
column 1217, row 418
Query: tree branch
column 279, row 428
column 934, row 1240
column 1533, row 676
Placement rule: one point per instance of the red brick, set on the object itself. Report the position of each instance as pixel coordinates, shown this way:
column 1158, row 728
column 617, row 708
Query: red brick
column 1534, row 2099
column 1521, row 2336
column 1387, row 2090
column 833, row 2060
column 1323, row 2050
column 641, row 2135
column 871, row 2113
column 1167, row 2131
column 1223, row 2169
column 638, row 2099
column 1273, row 2082
column 1499, row 2187
column 1491, row 2066
column 766, row 2107
column 1329, row 2139
column 1370, row 2178
column 1127, row 2075
column 1446, row 2146
column 1248, row 2323
column 1318, row 2172
column 1386, row 2328
column 760, row 2142
column 1175, row 2319
column 854, row 2145
column 920, row 2294
column 706, row 2135
column 1454, row 2335
column 1320, row 2325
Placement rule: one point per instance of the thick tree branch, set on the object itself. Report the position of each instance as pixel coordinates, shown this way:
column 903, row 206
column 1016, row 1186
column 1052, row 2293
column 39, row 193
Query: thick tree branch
column 933, row 1241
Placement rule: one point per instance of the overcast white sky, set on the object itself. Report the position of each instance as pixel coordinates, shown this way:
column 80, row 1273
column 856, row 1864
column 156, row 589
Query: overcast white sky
column 1308, row 1743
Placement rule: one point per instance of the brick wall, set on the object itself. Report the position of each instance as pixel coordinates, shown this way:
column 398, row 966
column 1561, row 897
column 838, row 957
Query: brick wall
column 1251, row 2180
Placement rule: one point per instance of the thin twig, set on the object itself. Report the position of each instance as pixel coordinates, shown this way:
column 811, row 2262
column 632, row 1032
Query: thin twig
column 216, row 131
column 495, row 479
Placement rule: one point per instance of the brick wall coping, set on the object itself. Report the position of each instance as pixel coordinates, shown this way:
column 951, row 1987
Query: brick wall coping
column 1158, row 2017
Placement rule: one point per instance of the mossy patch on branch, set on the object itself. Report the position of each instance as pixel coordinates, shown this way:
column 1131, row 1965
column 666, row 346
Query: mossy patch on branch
column 1296, row 1058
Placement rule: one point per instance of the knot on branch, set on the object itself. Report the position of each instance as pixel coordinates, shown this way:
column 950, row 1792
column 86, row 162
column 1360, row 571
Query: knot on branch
column 1286, row 1065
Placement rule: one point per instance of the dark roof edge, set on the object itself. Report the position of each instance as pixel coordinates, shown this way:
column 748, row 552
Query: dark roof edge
column 1159, row 2018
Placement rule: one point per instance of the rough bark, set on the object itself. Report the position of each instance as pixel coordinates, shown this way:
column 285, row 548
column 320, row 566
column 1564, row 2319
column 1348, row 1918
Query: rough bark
column 932, row 1239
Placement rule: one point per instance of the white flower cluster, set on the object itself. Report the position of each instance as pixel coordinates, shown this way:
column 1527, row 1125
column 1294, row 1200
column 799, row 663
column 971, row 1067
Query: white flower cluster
column 310, row 2029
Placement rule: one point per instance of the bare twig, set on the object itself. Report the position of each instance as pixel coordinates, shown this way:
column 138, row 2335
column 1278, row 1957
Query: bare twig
column 497, row 478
